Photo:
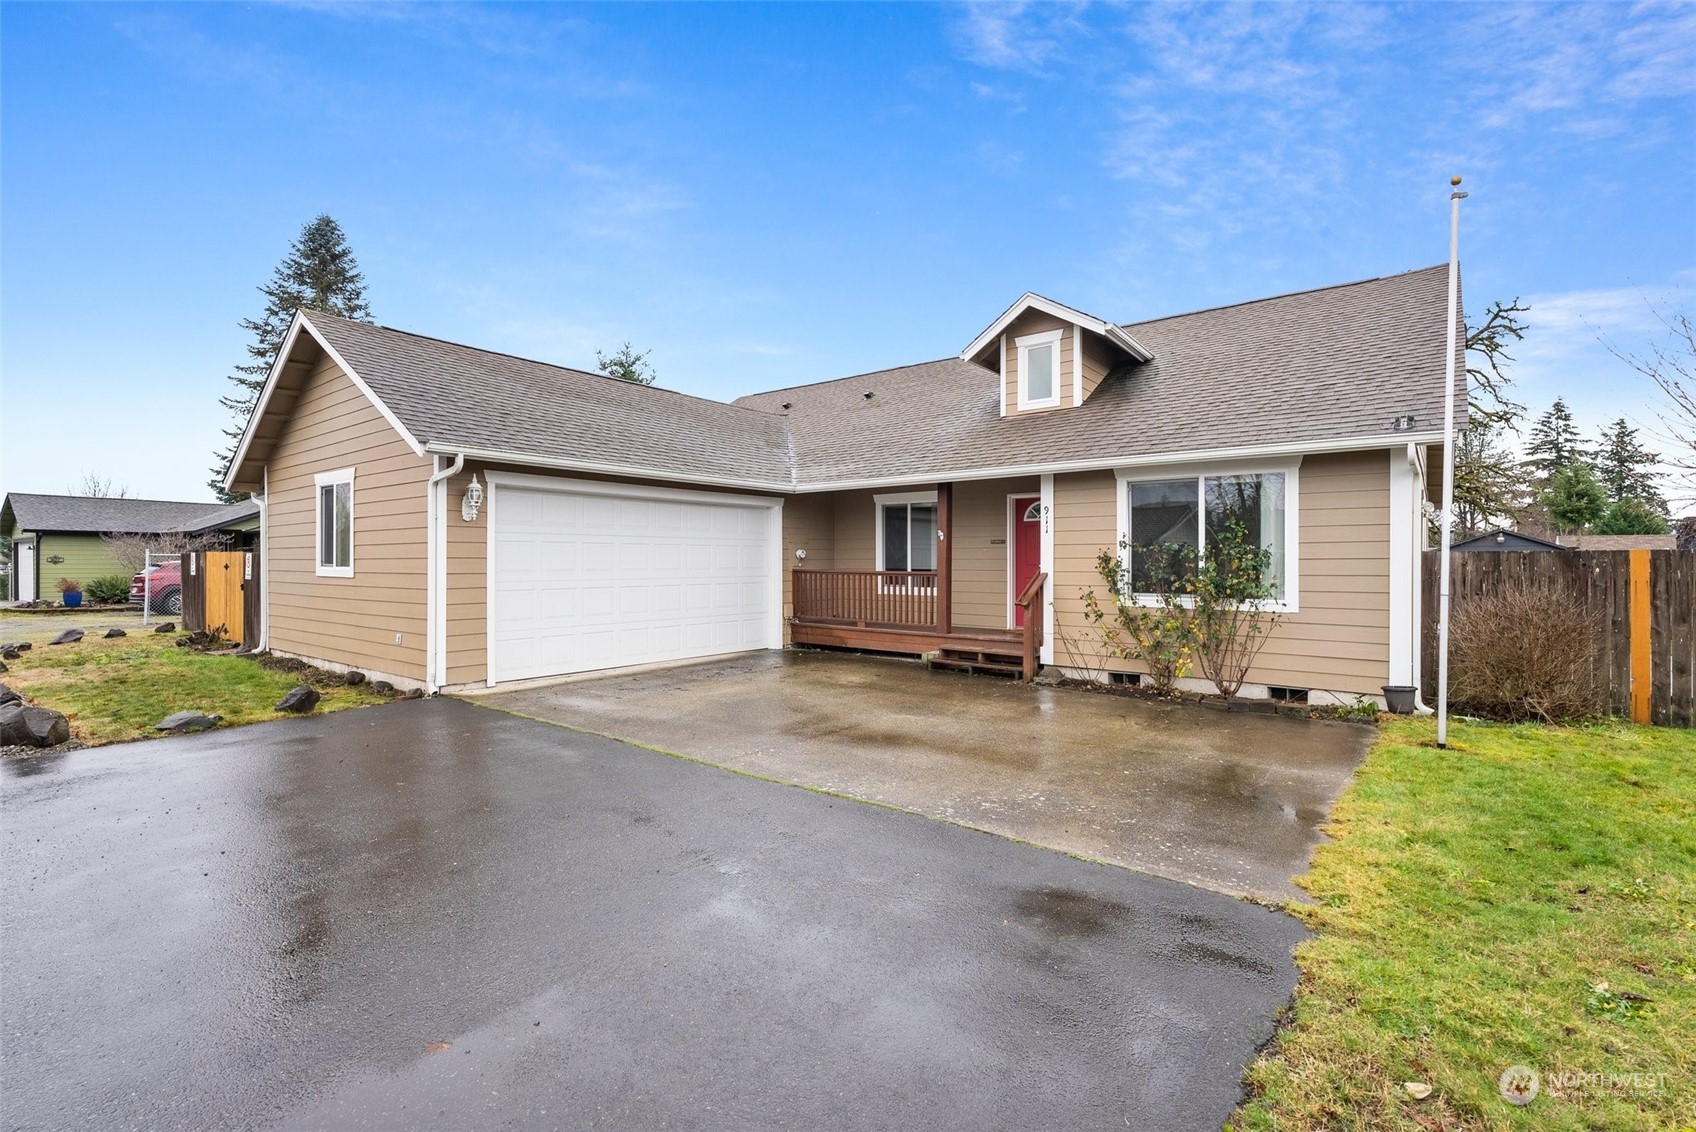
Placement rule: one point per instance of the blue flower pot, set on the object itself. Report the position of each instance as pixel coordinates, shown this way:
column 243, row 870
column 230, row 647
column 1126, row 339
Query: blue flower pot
column 73, row 599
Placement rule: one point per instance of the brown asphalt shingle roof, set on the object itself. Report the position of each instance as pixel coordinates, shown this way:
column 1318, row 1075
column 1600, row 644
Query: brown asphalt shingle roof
column 1335, row 364
column 445, row 393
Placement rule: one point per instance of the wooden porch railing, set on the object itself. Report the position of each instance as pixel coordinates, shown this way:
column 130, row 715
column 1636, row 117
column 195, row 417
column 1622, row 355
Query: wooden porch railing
column 903, row 599
column 1030, row 600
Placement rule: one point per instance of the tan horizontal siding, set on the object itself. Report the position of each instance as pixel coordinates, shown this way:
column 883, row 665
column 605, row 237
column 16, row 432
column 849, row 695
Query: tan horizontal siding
column 347, row 620
column 1338, row 641
column 1096, row 363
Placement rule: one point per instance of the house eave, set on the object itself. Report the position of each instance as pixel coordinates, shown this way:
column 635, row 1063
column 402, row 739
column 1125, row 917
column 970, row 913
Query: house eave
column 1030, row 300
column 1092, row 464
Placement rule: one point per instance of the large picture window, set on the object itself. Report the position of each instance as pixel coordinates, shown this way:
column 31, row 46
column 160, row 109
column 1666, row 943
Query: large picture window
column 335, row 523
column 1170, row 524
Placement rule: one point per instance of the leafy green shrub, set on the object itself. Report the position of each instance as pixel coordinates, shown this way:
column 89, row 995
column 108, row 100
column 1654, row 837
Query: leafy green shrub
column 110, row 589
column 1209, row 611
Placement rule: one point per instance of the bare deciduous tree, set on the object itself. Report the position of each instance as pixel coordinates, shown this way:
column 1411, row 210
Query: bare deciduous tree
column 1671, row 365
column 130, row 550
column 98, row 487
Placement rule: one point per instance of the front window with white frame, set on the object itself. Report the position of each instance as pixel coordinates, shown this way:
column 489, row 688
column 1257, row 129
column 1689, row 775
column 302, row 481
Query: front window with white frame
column 1039, row 369
column 1169, row 522
column 906, row 531
column 335, row 523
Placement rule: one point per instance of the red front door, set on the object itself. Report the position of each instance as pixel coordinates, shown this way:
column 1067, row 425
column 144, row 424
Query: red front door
column 1027, row 548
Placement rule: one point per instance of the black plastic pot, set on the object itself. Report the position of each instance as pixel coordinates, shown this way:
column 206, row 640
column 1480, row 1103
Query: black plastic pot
column 1399, row 698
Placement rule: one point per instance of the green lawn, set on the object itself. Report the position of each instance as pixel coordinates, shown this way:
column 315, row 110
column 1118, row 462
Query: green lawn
column 1498, row 903
column 113, row 690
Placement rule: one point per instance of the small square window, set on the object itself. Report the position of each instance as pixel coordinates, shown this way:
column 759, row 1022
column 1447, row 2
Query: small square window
column 335, row 523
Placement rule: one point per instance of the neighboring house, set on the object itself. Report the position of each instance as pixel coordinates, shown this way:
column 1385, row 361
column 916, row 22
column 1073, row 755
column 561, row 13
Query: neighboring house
column 452, row 517
column 1620, row 542
column 1506, row 540
column 60, row 536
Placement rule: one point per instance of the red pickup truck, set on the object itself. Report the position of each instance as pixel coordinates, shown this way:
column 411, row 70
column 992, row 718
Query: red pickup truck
column 164, row 590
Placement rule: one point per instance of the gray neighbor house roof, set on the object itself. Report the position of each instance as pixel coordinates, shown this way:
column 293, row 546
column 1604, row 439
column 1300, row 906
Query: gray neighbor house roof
column 1337, row 364
column 73, row 514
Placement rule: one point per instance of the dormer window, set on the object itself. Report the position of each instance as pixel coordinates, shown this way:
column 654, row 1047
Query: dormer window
column 1039, row 369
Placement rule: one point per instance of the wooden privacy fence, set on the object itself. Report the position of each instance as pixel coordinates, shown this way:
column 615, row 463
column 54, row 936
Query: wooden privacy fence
column 221, row 587
column 1643, row 601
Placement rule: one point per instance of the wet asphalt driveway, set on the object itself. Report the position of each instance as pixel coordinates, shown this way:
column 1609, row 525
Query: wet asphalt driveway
column 269, row 927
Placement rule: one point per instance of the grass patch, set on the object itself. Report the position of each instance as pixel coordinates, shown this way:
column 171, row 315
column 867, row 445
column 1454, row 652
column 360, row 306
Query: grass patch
column 114, row 690
column 1527, row 897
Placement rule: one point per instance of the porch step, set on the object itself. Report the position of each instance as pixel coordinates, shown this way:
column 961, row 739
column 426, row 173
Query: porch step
column 977, row 661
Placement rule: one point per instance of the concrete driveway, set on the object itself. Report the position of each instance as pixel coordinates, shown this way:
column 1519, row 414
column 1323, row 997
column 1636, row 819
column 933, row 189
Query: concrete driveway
column 1231, row 802
column 431, row 915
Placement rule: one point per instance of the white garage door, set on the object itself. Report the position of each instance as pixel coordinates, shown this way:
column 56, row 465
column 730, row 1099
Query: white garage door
column 587, row 577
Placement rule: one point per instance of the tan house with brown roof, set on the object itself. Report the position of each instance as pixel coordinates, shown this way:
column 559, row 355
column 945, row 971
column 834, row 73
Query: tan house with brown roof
column 448, row 517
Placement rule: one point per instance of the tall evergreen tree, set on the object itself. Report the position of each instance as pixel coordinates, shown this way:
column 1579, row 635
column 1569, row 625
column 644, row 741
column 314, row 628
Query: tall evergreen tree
column 1626, row 468
column 1574, row 497
column 1555, row 441
column 318, row 274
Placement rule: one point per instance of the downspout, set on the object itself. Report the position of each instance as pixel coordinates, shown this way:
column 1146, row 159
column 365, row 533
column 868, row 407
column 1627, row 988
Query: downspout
column 1417, row 466
column 263, row 498
column 435, row 615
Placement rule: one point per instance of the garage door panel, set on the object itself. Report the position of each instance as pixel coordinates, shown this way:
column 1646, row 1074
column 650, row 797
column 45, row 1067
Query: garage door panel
column 583, row 581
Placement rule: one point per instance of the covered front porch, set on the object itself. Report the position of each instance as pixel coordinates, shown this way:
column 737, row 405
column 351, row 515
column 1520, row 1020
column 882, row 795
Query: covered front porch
column 936, row 569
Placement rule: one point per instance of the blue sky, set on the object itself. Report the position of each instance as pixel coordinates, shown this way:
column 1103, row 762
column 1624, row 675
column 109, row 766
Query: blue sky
column 772, row 194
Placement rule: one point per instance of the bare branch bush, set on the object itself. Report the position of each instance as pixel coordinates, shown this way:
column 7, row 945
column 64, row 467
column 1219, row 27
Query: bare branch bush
column 130, row 550
column 1525, row 652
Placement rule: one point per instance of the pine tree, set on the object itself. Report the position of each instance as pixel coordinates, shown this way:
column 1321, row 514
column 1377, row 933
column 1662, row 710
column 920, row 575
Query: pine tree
column 318, row 274
column 627, row 365
column 1555, row 441
column 1574, row 497
column 1626, row 468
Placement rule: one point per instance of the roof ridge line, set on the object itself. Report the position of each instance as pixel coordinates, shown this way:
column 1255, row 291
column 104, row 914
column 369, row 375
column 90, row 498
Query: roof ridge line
column 1284, row 295
column 850, row 377
column 539, row 362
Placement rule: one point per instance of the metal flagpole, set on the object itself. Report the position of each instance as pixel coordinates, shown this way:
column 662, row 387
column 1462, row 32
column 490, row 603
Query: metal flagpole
column 1446, row 518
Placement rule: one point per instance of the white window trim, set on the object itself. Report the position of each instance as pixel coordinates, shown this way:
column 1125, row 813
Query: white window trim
column 878, row 502
column 1124, row 477
column 319, row 483
column 1025, row 342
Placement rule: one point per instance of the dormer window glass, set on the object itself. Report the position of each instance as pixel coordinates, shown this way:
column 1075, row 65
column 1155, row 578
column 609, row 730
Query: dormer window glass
column 1039, row 369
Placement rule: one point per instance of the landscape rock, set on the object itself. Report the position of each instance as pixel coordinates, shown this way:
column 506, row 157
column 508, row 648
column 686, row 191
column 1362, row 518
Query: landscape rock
column 10, row 652
column 110, row 633
column 412, row 694
column 167, row 627
column 354, row 678
column 7, row 696
column 23, row 646
column 3, row 667
column 183, row 722
column 302, row 699
column 68, row 637
column 383, row 686
column 22, row 726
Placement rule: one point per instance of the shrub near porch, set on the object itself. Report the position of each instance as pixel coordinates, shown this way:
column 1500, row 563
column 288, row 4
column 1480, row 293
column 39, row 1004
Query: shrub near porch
column 1523, row 898
column 115, row 690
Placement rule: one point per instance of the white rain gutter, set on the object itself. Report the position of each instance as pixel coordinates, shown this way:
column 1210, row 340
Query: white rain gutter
column 436, row 584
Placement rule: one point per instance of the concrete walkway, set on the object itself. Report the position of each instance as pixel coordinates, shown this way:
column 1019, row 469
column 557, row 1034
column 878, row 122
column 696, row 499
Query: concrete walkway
column 432, row 916
column 1230, row 802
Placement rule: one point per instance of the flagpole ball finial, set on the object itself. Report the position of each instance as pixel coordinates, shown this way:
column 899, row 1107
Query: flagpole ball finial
column 1454, row 180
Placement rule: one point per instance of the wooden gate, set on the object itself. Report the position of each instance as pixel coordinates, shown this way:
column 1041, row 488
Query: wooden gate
column 215, row 588
column 223, row 591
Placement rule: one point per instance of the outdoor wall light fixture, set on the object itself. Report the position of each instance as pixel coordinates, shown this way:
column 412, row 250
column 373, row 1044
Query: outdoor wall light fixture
column 800, row 554
column 473, row 501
